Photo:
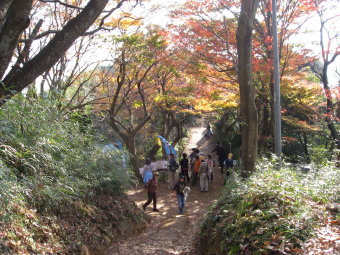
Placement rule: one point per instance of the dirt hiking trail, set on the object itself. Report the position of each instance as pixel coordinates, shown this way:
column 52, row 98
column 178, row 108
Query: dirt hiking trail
column 169, row 232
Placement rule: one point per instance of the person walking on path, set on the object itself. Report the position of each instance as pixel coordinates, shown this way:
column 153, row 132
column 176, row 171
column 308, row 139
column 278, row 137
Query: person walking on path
column 179, row 190
column 147, row 171
column 208, row 133
column 151, row 187
column 172, row 171
column 192, row 157
column 211, row 166
column 229, row 163
column 203, row 174
column 221, row 154
column 197, row 165
column 184, row 163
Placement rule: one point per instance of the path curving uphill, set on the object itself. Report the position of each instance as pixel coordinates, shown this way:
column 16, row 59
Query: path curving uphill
column 168, row 232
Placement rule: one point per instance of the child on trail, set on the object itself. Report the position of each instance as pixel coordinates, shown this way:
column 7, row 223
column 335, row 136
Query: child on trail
column 147, row 171
column 197, row 165
column 151, row 187
column 211, row 166
column 203, row 174
column 184, row 163
column 229, row 163
column 179, row 189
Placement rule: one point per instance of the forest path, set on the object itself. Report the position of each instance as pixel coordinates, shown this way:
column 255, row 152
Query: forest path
column 168, row 232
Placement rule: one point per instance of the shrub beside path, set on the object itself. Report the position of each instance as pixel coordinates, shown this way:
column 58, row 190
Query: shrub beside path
column 168, row 232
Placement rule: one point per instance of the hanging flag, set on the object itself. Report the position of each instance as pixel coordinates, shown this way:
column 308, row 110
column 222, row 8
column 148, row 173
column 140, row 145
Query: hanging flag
column 167, row 146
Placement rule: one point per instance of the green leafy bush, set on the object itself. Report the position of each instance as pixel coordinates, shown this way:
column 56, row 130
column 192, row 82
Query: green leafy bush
column 51, row 159
column 50, row 164
column 268, row 213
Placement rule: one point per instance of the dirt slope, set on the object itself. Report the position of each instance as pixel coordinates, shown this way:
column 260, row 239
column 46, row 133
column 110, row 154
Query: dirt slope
column 168, row 232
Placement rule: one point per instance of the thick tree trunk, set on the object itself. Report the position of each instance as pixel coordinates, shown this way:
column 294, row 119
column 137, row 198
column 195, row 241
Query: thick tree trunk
column 247, row 91
column 17, row 20
column 53, row 51
column 4, row 5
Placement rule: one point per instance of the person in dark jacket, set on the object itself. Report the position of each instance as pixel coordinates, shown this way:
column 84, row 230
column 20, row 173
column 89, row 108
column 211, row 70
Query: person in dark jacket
column 172, row 170
column 229, row 163
column 184, row 163
column 151, row 187
column 221, row 155
column 179, row 190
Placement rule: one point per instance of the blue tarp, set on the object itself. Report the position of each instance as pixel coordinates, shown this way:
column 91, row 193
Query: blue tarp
column 115, row 147
column 147, row 176
column 167, row 146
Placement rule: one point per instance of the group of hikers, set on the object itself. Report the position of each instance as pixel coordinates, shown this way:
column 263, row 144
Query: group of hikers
column 193, row 168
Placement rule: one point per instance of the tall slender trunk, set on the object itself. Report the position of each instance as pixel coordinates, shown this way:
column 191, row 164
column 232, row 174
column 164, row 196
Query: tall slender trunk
column 249, row 116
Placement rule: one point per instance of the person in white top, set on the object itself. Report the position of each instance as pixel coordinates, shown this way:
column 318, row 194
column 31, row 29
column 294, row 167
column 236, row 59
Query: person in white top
column 203, row 174
column 211, row 166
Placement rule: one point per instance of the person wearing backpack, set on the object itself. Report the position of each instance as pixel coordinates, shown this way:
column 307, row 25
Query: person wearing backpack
column 147, row 171
column 179, row 190
column 184, row 163
column 151, row 187
column 203, row 174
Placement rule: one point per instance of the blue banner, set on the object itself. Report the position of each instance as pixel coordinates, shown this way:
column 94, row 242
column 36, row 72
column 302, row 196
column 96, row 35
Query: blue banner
column 167, row 146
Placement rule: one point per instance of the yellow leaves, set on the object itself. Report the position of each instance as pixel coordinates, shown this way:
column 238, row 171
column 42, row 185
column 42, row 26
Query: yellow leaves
column 299, row 124
column 124, row 23
column 225, row 104
column 137, row 104
column 204, row 105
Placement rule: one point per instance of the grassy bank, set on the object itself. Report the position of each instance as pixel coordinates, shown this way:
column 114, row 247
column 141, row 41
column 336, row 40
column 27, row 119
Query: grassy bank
column 273, row 212
column 59, row 189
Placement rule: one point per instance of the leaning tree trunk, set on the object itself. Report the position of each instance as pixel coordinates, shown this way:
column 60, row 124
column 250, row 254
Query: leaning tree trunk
column 131, row 147
column 249, row 117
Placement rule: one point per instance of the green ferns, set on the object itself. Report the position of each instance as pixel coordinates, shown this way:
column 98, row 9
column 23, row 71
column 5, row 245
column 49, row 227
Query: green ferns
column 271, row 212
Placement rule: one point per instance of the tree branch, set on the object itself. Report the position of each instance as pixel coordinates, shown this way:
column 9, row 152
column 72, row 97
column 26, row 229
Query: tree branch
column 54, row 50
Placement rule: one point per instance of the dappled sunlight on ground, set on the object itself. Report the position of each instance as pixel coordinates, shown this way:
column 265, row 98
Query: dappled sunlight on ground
column 169, row 232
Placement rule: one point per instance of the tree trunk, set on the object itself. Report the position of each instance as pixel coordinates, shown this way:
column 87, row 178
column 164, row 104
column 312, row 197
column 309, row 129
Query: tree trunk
column 4, row 5
column 131, row 147
column 17, row 20
column 304, row 142
column 330, row 107
column 266, row 130
column 53, row 51
column 249, row 117
column 152, row 153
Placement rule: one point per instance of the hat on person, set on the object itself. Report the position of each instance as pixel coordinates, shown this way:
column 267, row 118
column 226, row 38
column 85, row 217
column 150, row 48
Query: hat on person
column 155, row 173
